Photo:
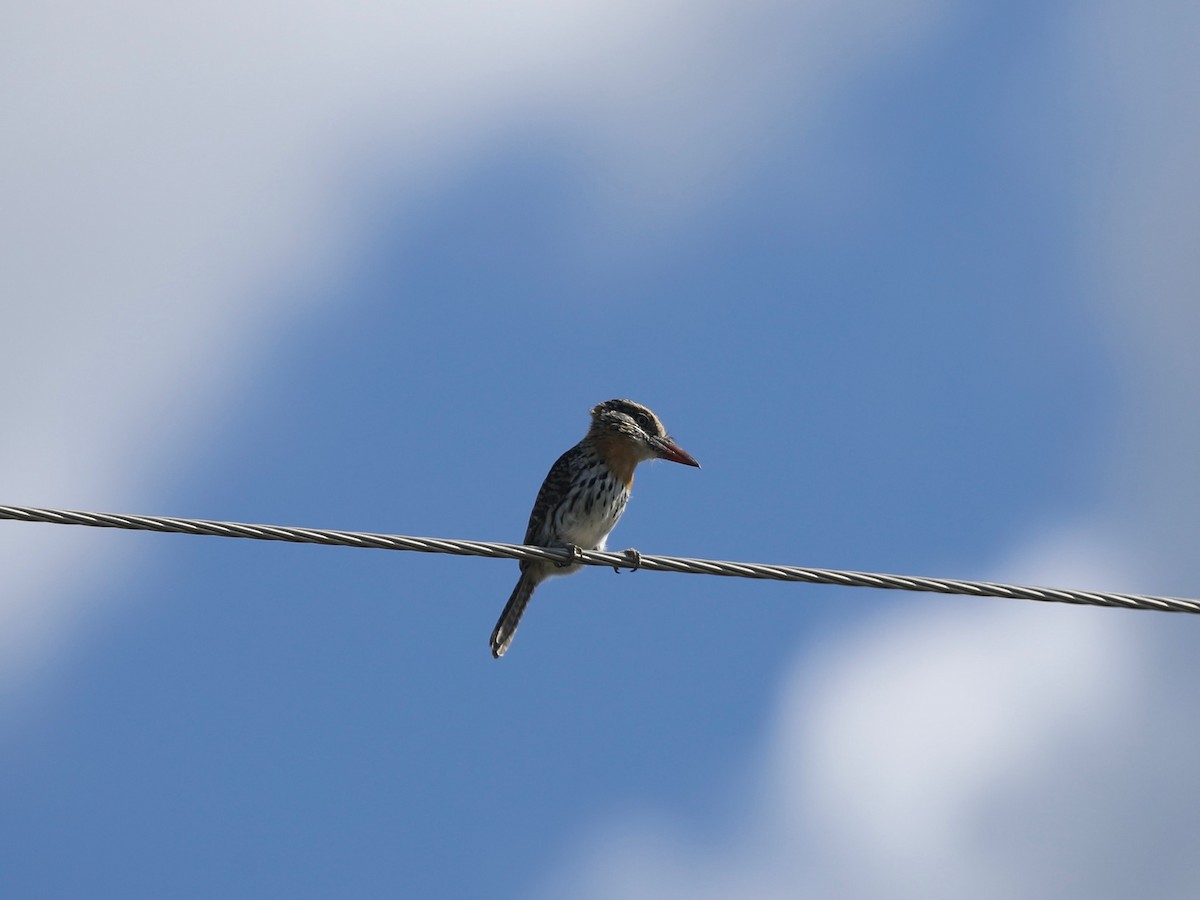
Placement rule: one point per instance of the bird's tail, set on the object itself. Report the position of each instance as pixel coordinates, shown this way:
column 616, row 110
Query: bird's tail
column 506, row 628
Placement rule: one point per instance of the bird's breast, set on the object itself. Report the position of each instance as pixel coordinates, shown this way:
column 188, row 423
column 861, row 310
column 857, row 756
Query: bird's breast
column 591, row 509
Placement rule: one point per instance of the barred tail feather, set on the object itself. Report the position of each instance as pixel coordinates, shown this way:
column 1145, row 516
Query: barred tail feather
column 506, row 628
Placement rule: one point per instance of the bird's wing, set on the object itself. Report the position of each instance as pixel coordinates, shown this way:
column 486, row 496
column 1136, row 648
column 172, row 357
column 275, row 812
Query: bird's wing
column 554, row 489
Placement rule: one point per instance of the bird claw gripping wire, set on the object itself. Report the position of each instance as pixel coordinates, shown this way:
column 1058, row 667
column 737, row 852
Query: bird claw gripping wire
column 635, row 561
column 576, row 556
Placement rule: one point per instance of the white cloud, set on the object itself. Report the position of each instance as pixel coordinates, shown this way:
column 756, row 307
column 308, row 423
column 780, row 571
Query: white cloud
column 914, row 733
column 163, row 166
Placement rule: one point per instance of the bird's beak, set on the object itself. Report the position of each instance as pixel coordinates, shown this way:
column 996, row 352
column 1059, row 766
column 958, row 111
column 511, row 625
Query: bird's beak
column 668, row 449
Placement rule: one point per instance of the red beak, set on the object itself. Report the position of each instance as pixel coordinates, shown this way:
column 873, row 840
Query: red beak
column 668, row 449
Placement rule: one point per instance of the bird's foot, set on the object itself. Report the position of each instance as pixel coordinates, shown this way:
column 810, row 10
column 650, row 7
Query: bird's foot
column 635, row 561
column 576, row 555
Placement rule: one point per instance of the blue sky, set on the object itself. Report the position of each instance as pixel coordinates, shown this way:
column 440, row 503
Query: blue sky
column 914, row 281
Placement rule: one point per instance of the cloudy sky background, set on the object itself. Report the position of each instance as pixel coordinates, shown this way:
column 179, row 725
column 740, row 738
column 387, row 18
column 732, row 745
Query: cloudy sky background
column 915, row 281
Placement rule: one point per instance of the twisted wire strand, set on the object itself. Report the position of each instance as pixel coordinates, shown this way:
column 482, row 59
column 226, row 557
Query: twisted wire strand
column 685, row 565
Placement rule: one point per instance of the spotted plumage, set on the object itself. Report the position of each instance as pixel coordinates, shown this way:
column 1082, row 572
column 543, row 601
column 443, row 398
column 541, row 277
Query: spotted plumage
column 585, row 494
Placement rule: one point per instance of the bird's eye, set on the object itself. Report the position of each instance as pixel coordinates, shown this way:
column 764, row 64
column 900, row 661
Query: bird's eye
column 643, row 420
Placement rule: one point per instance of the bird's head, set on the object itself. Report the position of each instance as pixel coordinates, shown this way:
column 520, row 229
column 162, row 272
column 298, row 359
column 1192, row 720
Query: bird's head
column 641, row 429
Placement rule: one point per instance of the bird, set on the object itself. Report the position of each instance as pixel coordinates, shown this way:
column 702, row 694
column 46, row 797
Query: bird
column 584, row 495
